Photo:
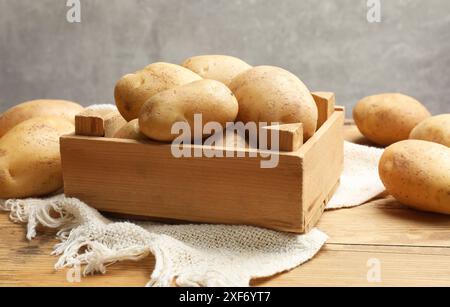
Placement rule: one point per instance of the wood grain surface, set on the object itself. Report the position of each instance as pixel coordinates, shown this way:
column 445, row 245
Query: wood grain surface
column 411, row 248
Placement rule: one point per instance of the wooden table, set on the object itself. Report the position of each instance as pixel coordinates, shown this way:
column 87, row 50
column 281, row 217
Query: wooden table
column 382, row 240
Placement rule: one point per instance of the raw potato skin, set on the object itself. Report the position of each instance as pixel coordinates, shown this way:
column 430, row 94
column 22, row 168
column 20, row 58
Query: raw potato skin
column 417, row 174
column 130, row 131
column 222, row 68
column 271, row 94
column 133, row 90
column 37, row 108
column 434, row 129
column 211, row 98
column 388, row 118
column 30, row 163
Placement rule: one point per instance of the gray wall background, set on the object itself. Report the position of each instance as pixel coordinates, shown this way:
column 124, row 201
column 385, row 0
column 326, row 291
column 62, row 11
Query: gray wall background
column 328, row 44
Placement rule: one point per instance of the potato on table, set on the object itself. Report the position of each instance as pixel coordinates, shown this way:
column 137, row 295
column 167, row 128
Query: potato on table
column 133, row 90
column 35, row 108
column 388, row 118
column 30, row 163
column 434, row 129
column 417, row 174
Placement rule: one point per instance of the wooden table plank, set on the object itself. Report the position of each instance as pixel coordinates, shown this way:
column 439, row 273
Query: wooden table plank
column 340, row 266
column 386, row 222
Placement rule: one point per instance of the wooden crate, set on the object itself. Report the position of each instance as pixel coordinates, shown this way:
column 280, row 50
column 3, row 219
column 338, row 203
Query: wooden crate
column 143, row 178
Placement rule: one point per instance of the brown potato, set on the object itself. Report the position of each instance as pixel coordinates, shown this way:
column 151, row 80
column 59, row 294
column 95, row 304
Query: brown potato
column 388, row 118
column 133, row 90
column 37, row 108
column 434, row 129
column 222, row 68
column 130, row 131
column 417, row 174
column 271, row 94
column 30, row 163
column 211, row 98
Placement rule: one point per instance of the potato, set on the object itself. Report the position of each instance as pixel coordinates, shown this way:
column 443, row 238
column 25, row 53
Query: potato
column 133, row 90
column 130, row 131
column 30, row 163
column 271, row 94
column 434, row 129
column 388, row 118
column 230, row 138
column 222, row 68
column 211, row 98
column 36, row 108
column 417, row 174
